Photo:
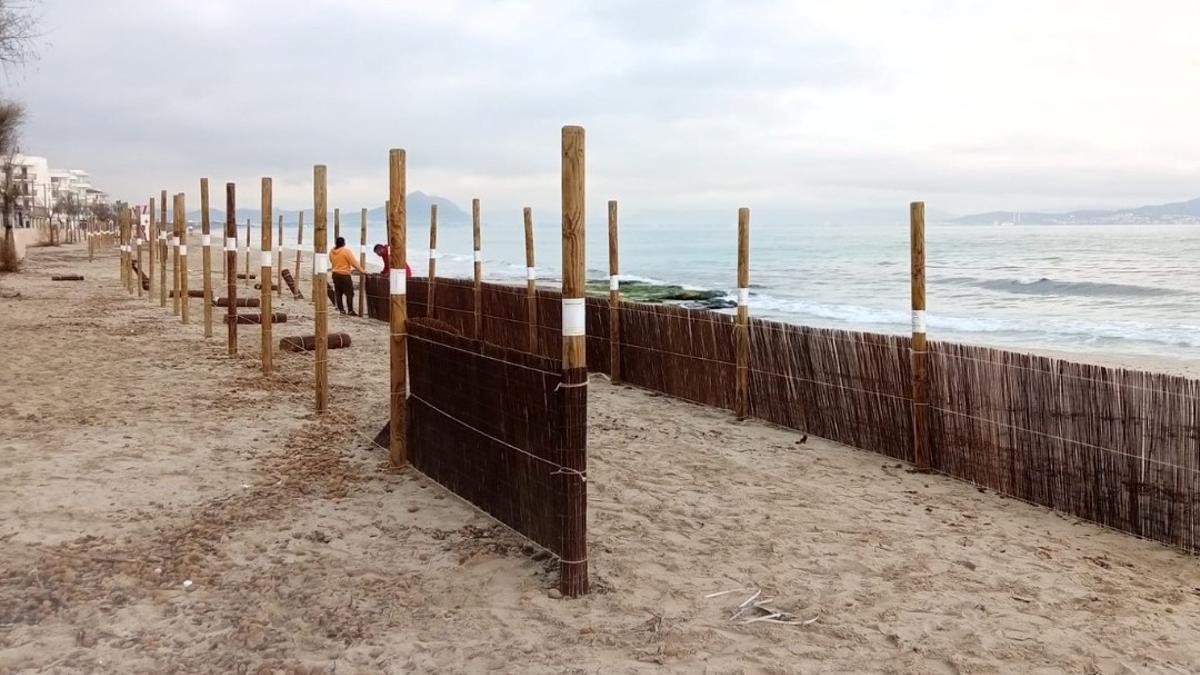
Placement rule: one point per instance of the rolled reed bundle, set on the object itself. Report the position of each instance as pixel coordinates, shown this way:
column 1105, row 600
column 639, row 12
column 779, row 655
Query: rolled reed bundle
column 192, row 293
column 239, row 302
column 276, row 317
column 308, row 343
column 243, row 275
column 67, row 277
column 258, row 287
column 291, row 284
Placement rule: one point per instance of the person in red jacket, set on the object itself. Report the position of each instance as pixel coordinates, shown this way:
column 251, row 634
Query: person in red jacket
column 383, row 251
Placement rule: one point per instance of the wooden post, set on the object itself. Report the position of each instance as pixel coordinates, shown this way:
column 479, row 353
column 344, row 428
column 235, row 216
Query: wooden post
column 164, row 249
column 614, row 297
column 265, row 276
column 122, row 259
column 181, row 226
column 920, row 375
column 315, row 290
column 299, row 245
column 137, row 216
column 530, row 283
column 231, row 246
column 152, row 244
column 478, row 270
column 279, row 258
column 246, row 280
column 206, row 253
column 337, row 224
column 398, row 286
column 742, row 387
column 362, row 259
column 174, row 259
column 573, row 563
column 320, row 266
column 431, row 300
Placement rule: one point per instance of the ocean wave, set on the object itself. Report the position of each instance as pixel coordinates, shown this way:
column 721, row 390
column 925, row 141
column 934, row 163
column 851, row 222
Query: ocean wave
column 1054, row 331
column 1054, row 287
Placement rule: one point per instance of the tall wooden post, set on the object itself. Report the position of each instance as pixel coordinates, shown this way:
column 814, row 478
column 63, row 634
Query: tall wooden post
column 231, row 249
column 920, row 374
column 320, row 268
column 299, row 246
column 573, row 563
column 337, row 224
column 181, row 227
column 614, row 297
column 122, row 259
column 531, row 307
column 398, row 286
column 137, row 216
column 175, row 225
column 265, row 277
column 431, row 300
column 362, row 259
column 478, row 270
column 152, row 244
column 279, row 259
column 742, row 389
column 164, row 248
column 206, row 253
column 246, row 279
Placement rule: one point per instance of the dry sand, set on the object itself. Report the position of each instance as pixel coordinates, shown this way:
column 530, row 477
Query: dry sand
column 135, row 455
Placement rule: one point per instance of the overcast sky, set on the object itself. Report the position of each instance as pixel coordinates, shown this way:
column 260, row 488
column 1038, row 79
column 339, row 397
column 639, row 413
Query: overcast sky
column 692, row 108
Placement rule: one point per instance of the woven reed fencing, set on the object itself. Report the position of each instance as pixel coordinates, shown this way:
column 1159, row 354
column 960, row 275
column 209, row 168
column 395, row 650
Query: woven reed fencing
column 496, row 427
column 1116, row 447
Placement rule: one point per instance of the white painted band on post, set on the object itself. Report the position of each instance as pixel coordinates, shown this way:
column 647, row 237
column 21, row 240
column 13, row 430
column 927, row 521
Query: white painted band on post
column 266, row 258
column 433, row 254
column 574, row 318
column 918, row 321
column 614, row 282
column 231, row 244
column 139, row 242
column 478, row 256
column 398, row 282
column 320, row 263
column 206, row 240
column 183, row 249
column 743, row 295
column 162, row 236
column 531, row 273
column 362, row 254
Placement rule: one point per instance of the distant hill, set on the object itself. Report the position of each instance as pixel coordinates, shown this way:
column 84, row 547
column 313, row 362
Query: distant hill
column 1176, row 212
column 418, row 205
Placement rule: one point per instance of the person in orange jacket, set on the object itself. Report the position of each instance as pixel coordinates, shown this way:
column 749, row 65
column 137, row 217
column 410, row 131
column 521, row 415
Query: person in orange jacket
column 341, row 263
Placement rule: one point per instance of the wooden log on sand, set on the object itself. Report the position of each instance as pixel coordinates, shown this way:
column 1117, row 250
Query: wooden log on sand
column 67, row 277
column 276, row 317
column 192, row 293
column 308, row 343
column 238, row 302
column 258, row 287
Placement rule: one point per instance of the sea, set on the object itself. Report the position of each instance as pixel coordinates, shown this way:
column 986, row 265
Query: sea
column 1107, row 290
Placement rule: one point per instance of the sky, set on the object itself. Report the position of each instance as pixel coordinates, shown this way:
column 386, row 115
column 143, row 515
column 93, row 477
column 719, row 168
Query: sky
column 799, row 110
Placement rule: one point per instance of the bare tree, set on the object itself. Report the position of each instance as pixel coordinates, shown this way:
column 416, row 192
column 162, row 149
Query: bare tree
column 17, row 31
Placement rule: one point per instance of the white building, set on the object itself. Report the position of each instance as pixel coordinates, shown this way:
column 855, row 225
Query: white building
column 43, row 192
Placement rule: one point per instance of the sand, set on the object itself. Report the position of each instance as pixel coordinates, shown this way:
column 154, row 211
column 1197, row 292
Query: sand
column 136, row 456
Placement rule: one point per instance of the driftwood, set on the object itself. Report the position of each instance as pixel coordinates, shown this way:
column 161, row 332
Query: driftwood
column 141, row 275
column 276, row 317
column 240, row 302
column 307, row 343
column 291, row 284
column 67, row 277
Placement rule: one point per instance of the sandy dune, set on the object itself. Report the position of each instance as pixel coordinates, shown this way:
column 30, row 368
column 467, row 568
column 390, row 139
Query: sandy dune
column 135, row 456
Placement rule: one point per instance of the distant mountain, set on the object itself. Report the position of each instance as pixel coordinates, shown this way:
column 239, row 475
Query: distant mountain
column 1176, row 212
column 418, row 205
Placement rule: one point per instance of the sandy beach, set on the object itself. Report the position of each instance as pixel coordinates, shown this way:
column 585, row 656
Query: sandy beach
column 167, row 508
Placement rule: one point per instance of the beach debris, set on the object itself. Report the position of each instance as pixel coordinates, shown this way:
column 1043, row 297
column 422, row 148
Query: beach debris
column 187, row 583
column 756, row 609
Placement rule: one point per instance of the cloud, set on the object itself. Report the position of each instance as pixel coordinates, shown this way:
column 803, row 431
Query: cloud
column 691, row 107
